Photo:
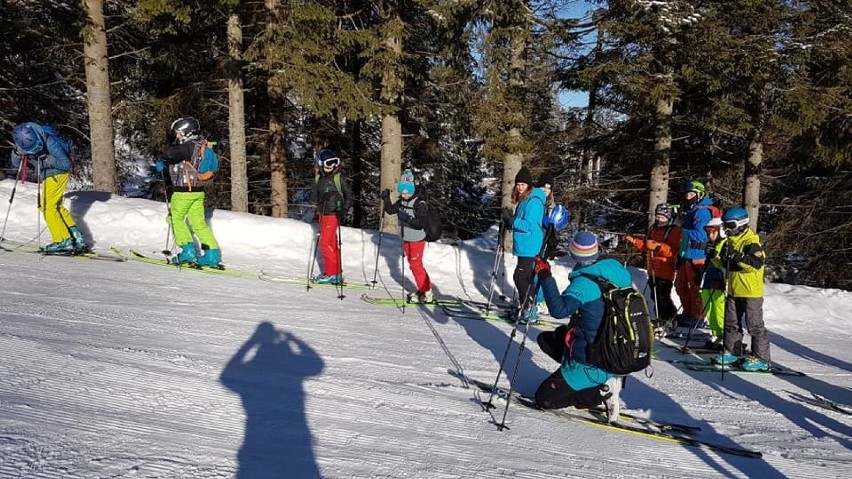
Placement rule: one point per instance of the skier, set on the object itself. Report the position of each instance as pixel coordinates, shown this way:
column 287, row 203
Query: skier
column 333, row 197
column 691, row 257
column 713, row 285
column 527, row 237
column 45, row 154
column 577, row 383
column 410, row 208
column 741, row 254
column 190, row 163
column 661, row 248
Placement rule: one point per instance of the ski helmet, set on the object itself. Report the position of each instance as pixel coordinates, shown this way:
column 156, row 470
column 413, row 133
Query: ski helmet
column 735, row 220
column 557, row 216
column 327, row 159
column 664, row 209
column 27, row 139
column 188, row 127
column 696, row 187
column 715, row 224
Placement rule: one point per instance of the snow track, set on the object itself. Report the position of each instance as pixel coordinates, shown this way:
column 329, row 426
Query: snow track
column 133, row 370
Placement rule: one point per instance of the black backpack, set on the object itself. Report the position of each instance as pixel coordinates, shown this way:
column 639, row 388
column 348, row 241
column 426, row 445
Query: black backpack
column 432, row 223
column 625, row 337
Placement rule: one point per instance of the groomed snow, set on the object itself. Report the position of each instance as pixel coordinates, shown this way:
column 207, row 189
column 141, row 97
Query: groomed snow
column 113, row 370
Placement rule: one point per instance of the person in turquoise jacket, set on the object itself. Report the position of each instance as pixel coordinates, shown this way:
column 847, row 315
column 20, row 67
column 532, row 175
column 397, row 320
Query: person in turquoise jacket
column 527, row 238
column 577, row 383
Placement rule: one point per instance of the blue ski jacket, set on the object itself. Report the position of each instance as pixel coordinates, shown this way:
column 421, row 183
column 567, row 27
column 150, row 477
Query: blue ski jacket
column 582, row 301
column 527, row 236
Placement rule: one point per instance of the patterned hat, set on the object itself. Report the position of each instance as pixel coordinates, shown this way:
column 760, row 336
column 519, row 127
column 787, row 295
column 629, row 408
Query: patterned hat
column 584, row 247
column 406, row 183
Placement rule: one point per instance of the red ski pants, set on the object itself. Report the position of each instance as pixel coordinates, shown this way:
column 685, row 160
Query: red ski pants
column 328, row 245
column 414, row 253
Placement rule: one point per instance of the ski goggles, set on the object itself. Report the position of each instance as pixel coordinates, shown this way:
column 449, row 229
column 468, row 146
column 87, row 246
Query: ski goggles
column 330, row 162
column 733, row 224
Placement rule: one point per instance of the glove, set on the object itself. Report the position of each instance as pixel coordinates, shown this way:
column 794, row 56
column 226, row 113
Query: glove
column 710, row 251
column 507, row 216
column 385, row 196
column 652, row 245
column 159, row 166
column 542, row 268
column 729, row 255
column 630, row 239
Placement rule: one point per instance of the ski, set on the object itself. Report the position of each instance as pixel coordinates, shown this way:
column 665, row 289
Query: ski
column 707, row 366
column 823, row 402
column 87, row 255
column 697, row 348
column 625, row 417
column 598, row 418
column 399, row 301
column 137, row 256
column 465, row 311
column 264, row 276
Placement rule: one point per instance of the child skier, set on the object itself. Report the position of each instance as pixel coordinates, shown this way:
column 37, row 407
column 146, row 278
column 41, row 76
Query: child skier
column 713, row 285
column 410, row 208
column 742, row 256
column 333, row 197
column 190, row 164
column 661, row 248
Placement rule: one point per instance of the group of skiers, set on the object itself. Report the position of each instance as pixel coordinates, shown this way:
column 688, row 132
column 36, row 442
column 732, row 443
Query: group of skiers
column 716, row 263
column 717, row 276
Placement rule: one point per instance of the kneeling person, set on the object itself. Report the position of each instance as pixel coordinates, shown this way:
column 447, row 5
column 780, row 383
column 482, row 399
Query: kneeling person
column 577, row 383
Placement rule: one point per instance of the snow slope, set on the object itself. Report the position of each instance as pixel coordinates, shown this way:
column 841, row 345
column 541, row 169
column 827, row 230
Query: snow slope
column 113, row 370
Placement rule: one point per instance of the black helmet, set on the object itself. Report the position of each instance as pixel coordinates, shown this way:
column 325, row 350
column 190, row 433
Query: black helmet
column 188, row 127
column 664, row 209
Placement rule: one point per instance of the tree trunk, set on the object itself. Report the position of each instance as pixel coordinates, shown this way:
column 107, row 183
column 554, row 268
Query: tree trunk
column 514, row 158
column 236, row 117
column 751, row 179
column 98, row 97
column 659, row 179
column 277, row 143
column 391, row 130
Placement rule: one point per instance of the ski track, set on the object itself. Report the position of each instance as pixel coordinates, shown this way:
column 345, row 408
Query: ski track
column 129, row 372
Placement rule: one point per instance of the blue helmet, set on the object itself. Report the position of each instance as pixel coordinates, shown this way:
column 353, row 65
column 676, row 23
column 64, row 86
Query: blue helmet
column 735, row 220
column 27, row 139
column 557, row 216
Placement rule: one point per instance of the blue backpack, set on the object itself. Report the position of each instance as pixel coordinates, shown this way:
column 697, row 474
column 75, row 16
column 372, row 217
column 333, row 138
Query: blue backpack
column 66, row 145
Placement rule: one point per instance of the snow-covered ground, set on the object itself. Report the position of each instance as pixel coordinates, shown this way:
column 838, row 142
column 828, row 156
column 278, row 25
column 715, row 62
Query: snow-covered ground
column 114, row 370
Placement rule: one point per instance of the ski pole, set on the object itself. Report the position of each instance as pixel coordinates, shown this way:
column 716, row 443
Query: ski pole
column 379, row 247
column 543, row 254
column 38, row 200
column 12, row 197
column 314, row 250
column 166, row 250
column 488, row 404
column 707, row 303
column 402, row 262
column 339, row 286
column 498, row 262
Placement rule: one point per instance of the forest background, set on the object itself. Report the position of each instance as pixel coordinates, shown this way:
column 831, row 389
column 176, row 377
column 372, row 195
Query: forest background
column 753, row 98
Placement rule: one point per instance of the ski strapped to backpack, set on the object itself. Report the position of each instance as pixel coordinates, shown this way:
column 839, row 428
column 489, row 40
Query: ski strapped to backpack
column 625, row 338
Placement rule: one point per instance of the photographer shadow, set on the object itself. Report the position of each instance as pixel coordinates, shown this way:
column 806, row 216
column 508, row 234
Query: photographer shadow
column 267, row 372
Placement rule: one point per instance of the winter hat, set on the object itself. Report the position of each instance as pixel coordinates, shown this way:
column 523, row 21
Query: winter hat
column 584, row 247
column 546, row 179
column 406, row 183
column 524, row 176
